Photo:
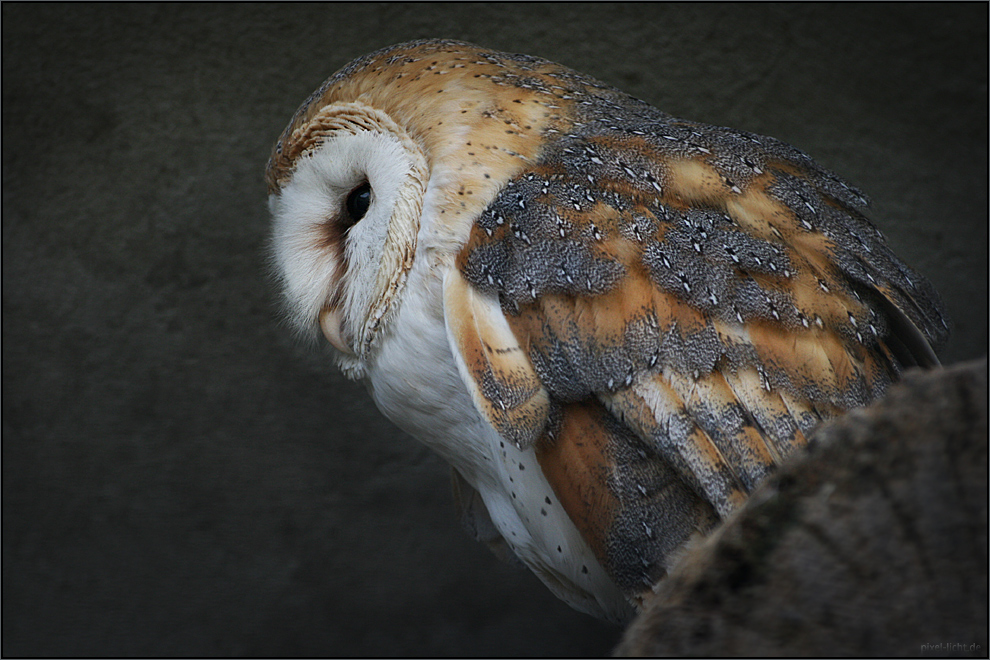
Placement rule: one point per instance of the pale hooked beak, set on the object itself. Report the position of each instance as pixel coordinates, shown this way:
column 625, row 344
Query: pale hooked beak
column 330, row 325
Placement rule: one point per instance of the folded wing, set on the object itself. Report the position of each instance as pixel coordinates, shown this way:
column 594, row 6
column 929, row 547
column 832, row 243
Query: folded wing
column 666, row 323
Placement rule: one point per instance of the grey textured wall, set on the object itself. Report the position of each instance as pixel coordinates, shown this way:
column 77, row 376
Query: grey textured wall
column 178, row 476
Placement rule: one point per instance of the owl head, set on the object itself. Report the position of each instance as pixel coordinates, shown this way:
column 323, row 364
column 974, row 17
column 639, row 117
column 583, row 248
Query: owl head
column 386, row 164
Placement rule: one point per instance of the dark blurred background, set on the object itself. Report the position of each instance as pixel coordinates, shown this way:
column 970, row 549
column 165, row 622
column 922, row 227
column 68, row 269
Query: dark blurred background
column 179, row 477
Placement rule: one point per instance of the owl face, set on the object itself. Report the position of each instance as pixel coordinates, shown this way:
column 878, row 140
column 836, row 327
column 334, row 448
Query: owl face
column 346, row 225
column 613, row 323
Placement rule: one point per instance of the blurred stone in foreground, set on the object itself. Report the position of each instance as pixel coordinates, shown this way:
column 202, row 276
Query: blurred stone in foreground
column 873, row 542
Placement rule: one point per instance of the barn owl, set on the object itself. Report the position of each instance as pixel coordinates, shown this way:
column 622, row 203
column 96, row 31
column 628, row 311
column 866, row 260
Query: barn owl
column 611, row 322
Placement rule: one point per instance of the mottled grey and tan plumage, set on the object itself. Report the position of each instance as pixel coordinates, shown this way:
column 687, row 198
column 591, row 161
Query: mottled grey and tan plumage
column 660, row 309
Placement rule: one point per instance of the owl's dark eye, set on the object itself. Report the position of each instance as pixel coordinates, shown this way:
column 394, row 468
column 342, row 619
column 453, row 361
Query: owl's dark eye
column 358, row 201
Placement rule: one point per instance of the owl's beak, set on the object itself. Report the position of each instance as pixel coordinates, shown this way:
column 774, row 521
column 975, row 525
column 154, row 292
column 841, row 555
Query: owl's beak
column 330, row 325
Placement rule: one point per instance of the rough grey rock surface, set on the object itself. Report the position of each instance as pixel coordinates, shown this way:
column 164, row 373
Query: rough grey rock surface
column 180, row 478
column 873, row 542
